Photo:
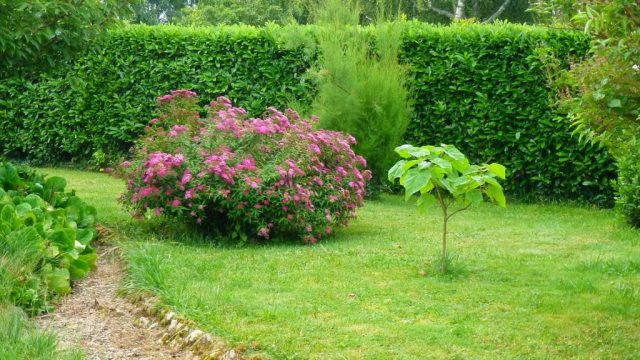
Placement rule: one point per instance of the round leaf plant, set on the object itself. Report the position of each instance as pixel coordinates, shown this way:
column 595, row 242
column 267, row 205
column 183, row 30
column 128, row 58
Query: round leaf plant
column 444, row 175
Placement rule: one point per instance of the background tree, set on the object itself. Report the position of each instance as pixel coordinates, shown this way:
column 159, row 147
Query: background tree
column 154, row 12
column 37, row 33
column 258, row 12
column 482, row 10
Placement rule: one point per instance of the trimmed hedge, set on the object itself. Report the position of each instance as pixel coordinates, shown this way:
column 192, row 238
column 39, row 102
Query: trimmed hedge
column 484, row 89
column 103, row 102
column 481, row 88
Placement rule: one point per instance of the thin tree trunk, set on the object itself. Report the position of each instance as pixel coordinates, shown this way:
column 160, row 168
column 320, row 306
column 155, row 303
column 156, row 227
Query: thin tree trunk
column 444, row 241
column 459, row 13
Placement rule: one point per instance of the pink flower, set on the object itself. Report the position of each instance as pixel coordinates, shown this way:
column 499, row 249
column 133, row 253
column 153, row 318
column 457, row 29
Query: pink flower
column 186, row 177
column 176, row 202
column 189, row 194
column 315, row 148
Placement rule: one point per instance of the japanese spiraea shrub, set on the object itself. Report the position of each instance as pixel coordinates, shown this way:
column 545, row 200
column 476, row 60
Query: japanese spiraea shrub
column 481, row 87
column 49, row 231
column 259, row 178
column 444, row 175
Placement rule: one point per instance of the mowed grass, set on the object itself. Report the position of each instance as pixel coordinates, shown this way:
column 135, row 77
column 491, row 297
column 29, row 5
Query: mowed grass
column 530, row 281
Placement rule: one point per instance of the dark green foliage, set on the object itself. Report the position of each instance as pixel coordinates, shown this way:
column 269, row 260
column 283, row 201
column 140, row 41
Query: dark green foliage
column 484, row 90
column 481, row 88
column 37, row 33
column 117, row 86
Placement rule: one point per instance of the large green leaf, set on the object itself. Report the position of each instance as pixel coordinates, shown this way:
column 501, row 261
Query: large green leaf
column 406, row 151
column 497, row 170
column 496, row 194
column 413, row 180
column 396, row 171
column 59, row 281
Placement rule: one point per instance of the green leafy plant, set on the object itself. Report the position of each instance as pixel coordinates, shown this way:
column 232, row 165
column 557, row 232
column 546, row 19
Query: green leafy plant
column 602, row 92
column 45, row 237
column 444, row 175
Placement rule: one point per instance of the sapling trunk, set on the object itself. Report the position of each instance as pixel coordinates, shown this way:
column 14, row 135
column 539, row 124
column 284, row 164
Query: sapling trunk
column 445, row 219
column 444, row 242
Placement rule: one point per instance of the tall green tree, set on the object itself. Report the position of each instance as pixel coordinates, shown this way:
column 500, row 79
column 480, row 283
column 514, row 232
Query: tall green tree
column 485, row 11
column 257, row 12
column 39, row 33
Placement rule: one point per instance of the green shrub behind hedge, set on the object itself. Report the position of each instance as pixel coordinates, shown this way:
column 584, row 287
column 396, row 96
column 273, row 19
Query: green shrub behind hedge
column 481, row 88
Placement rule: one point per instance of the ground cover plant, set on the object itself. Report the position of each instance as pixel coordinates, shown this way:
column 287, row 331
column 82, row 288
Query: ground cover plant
column 246, row 177
column 45, row 236
column 49, row 231
column 444, row 175
column 554, row 281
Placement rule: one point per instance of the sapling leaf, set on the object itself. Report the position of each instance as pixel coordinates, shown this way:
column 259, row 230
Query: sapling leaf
column 396, row 171
column 413, row 180
column 473, row 197
column 424, row 201
column 453, row 152
column 496, row 194
column 406, row 151
column 442, row 163
column 497, row 170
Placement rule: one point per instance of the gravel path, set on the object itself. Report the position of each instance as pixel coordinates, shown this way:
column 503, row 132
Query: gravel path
column 100, row 322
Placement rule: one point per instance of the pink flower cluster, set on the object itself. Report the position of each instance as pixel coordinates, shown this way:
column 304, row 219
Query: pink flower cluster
column 268, row 177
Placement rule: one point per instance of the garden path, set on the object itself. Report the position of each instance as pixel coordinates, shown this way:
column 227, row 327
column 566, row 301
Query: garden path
column 102, row 323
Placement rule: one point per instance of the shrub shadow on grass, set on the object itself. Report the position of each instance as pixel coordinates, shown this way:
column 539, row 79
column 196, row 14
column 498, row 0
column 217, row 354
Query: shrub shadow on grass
column 195, row 236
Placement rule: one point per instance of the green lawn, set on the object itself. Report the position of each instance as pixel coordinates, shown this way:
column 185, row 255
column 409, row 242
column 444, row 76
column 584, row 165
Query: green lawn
column 532, row 281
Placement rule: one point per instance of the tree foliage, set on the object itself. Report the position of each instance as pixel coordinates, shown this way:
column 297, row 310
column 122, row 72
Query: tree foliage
column 259, row 12
column 37, row 33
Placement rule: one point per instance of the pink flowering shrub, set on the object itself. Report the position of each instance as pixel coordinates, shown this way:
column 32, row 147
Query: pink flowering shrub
column 250, row 177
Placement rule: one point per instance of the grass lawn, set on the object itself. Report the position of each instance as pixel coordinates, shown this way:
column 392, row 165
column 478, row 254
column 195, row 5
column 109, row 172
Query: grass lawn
column 531, row 281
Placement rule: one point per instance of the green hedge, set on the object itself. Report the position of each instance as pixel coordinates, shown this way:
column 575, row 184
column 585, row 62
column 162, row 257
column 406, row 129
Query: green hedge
column 104, row 101
column 481, row 88
column 484, row 89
